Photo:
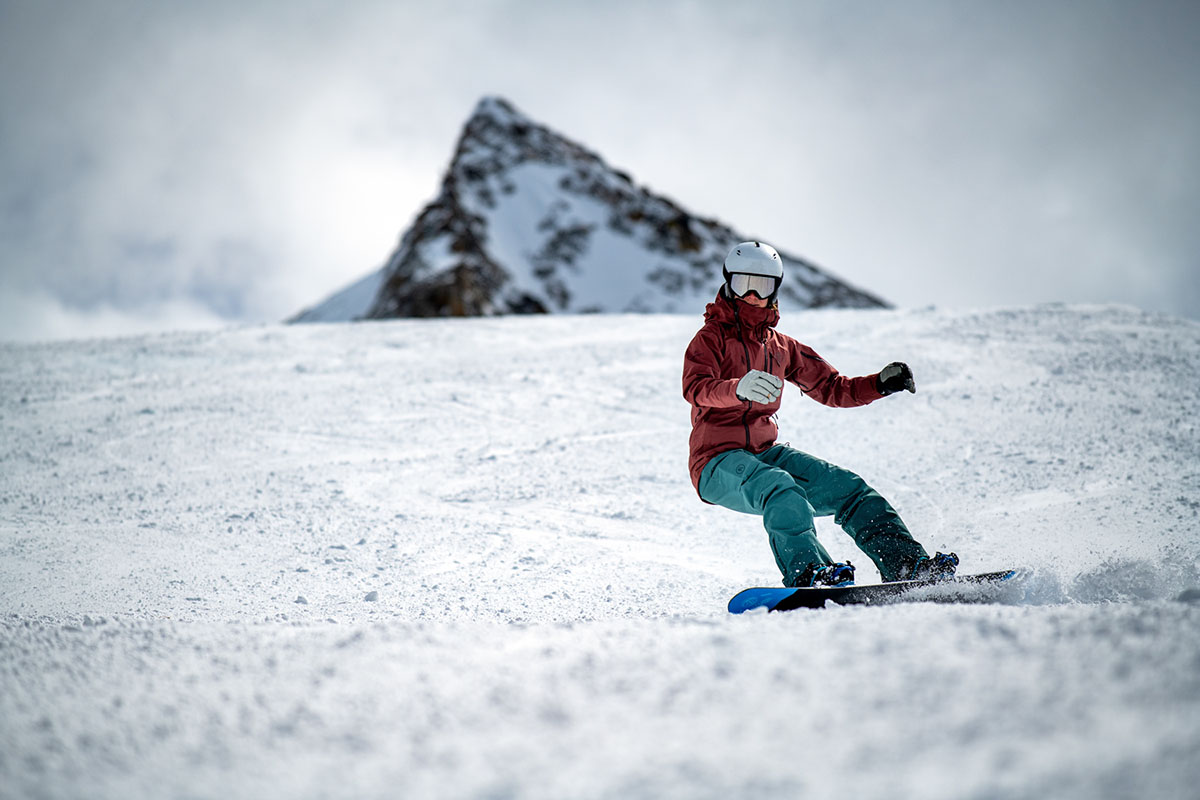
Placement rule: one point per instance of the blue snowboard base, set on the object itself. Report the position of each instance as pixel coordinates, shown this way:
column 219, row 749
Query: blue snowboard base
column 987, row 587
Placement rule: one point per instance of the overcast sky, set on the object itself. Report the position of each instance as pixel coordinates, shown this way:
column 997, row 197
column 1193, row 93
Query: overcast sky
column 178, row 165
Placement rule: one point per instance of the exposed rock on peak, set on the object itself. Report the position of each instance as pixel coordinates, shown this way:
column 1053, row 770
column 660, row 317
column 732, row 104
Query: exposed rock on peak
column 528, row 221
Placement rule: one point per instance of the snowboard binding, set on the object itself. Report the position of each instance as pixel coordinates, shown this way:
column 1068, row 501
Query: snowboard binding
column 839, row 574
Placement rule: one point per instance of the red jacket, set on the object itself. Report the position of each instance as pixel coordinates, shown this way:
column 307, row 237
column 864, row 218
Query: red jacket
column 736, row 338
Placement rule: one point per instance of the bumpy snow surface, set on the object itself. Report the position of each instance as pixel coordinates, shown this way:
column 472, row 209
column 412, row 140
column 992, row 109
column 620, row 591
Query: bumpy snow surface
column 463, row 559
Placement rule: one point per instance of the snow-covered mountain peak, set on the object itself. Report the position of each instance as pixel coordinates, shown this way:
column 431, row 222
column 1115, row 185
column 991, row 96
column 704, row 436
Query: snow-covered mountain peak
column 529, row 221
column 498, row 137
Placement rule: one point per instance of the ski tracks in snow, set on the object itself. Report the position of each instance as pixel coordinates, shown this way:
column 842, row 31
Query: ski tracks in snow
column 463, row 559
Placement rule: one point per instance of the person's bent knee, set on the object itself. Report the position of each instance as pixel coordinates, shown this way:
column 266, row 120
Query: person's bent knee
column 768, row 487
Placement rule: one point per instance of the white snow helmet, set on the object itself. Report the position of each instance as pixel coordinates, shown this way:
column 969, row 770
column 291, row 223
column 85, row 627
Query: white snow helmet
column 750, row 262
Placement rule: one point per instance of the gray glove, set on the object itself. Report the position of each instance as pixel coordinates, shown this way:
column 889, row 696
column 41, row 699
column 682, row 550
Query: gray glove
column 759, row 387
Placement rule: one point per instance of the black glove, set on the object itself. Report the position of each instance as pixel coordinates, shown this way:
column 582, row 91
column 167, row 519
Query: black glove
column 894, row 377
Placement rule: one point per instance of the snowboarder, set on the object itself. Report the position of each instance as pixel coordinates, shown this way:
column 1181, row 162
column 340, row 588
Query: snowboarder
column 733, row 376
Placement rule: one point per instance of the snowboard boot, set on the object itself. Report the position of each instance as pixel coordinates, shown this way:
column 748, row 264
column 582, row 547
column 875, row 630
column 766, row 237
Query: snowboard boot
column 840, row 574
column 938, row 568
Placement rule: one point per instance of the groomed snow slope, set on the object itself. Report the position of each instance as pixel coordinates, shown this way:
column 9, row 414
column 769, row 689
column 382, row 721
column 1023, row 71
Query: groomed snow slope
column 463, row 559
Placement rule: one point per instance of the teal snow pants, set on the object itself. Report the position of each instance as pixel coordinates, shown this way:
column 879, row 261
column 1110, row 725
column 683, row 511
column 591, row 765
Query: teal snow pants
column 788, row 488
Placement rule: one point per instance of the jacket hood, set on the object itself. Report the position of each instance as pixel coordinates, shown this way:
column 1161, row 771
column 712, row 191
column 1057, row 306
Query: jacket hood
column 738, row 314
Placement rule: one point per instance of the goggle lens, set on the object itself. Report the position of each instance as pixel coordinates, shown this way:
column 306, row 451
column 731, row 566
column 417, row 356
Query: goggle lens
column 761, row 285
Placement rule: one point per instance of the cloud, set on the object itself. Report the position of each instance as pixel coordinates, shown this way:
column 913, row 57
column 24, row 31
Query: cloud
column 190, row 157
column 246, row 160
column 39, row 316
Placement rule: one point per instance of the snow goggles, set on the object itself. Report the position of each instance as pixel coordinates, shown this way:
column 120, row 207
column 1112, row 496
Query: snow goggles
column 742, row 284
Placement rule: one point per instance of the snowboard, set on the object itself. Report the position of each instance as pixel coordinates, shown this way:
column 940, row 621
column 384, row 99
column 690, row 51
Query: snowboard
column 987, row 587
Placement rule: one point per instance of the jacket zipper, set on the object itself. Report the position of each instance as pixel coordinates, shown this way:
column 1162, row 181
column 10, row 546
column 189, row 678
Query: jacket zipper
column 746, row 350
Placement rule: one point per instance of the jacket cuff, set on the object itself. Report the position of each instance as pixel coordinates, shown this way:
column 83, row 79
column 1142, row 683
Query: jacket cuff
column 872, row 389
column 729, row 390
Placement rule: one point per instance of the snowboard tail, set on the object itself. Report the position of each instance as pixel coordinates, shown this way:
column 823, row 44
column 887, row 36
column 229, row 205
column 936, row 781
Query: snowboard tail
column 987, row 587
